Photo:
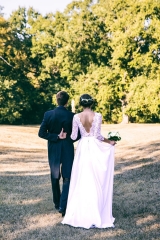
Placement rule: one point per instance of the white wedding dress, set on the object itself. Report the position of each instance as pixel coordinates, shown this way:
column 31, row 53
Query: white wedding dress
column 91, row 187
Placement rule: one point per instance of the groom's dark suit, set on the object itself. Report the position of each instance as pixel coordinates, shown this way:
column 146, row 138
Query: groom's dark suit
column 60, row 151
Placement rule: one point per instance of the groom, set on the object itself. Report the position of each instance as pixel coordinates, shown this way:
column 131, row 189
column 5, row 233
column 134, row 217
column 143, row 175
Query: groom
column 56, row 127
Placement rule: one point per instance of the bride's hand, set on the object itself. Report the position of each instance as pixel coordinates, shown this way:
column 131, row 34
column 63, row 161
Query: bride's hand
column 113, row 143
column 62, row 134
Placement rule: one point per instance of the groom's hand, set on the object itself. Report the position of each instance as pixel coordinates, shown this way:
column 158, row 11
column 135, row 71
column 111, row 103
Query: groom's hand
column 62, row 134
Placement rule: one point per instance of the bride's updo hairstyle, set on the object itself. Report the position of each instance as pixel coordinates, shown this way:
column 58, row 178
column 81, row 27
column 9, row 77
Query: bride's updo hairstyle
column 86, row 100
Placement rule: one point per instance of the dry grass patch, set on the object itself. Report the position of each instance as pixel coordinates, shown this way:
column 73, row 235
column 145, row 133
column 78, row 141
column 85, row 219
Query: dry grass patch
column 26, row 200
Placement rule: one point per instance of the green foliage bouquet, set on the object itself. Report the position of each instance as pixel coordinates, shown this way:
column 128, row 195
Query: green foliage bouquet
column 114, row 136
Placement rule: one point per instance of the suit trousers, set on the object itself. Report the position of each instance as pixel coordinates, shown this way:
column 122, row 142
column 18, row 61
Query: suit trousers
column 60, row 199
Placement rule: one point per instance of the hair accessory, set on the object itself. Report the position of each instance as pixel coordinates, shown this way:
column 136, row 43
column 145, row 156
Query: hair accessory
column 87, row 100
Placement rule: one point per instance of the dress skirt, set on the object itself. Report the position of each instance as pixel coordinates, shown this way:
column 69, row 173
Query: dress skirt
column 91, row 187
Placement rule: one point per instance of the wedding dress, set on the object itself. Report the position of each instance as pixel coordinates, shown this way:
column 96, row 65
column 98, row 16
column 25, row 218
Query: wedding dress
column 91, row 187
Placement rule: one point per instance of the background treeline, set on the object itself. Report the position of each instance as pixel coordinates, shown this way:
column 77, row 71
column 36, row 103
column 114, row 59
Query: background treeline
column 107, row 48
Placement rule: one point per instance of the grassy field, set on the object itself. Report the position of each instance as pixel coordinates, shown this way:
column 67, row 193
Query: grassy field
column 27, row 211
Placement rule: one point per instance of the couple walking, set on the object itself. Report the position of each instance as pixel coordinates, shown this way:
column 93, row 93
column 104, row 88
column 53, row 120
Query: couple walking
column 86, row 196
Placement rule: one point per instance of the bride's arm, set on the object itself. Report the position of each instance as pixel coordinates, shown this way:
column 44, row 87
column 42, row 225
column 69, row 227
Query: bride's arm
column 100, row 137
column 74, row 133
column 109, row 141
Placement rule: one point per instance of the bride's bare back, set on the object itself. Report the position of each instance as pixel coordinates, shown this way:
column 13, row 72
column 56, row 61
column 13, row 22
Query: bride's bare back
column 86, row 118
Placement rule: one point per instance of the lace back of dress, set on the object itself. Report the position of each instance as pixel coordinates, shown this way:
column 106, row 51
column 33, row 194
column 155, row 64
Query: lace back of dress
column 95, row 129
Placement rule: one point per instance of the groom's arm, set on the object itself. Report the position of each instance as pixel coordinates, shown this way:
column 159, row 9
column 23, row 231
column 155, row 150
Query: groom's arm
column 43, row 131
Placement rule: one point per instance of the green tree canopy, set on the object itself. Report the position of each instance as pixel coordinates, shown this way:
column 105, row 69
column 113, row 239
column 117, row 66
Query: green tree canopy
column 108, row 48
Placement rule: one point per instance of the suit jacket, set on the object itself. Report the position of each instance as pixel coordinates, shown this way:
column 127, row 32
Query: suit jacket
column 59, row 150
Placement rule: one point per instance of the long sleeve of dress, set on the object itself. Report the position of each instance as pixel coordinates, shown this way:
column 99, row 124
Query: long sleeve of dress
column 99, row 122
column 74, row 133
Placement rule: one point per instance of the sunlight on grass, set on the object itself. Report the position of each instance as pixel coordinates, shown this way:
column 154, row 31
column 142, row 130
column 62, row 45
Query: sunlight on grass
column 147, row 219
column 30, row 201
column 41, row 221
column 108, row 234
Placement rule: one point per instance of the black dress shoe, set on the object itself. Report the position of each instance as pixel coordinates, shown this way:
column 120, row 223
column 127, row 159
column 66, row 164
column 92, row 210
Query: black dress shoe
column 63, row 211
column 57, row 207
column 63, row 214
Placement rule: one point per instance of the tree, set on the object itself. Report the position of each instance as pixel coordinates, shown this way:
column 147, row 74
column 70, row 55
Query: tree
column 108, row 48
column 135, row 36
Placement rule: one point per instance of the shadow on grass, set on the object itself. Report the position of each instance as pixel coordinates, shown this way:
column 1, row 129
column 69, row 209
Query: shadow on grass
column 20, row 155
column 150, row 153
column 27, row 210
column 6, row 150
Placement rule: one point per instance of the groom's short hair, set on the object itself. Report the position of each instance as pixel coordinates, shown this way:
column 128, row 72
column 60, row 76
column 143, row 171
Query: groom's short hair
column 62, row 98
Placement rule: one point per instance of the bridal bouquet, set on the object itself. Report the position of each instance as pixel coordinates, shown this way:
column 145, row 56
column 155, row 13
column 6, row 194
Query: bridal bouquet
column 114, row 136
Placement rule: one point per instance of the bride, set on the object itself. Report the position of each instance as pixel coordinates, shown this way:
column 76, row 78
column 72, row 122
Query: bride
column 91, row 187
